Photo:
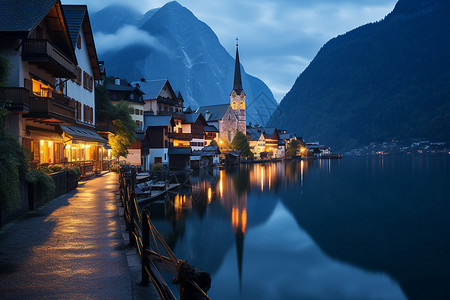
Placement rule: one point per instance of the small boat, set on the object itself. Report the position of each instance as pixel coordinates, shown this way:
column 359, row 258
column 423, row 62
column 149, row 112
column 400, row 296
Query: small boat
column 152, row 191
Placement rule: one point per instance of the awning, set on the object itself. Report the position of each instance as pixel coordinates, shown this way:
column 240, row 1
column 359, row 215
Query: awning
column 44, row 135
column 79, row 134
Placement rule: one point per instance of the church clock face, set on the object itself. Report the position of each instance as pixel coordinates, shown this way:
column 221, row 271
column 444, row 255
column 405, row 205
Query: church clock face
column 234, row 105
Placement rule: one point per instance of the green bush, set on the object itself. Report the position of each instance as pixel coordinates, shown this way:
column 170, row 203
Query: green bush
column 114, row 168
column 56, row 168
column 157, row 167
column 13, row 167
column 75, row 171
column 45, row 184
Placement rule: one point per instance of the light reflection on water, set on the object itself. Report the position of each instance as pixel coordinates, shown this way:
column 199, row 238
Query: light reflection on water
column 357, row 228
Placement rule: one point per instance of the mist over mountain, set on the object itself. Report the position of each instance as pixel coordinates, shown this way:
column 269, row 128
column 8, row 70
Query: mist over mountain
column 171, row 43
column 382, row 81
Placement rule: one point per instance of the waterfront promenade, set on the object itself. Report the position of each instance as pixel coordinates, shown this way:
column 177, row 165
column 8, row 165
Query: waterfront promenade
column 72, row 248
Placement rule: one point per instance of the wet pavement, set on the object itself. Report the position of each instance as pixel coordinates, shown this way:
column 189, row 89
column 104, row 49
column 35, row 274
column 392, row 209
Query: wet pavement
column 72, row 248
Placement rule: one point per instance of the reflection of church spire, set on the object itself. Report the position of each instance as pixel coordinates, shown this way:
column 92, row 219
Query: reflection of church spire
column 239, row 222
column 239, row 235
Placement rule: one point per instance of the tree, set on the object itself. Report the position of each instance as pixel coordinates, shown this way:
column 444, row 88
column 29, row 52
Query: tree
column 240, row 142
column 5, row 66
column 125, row 130
column 213, row 143
column 104, row 109
column 120, row 114
column 292, row 148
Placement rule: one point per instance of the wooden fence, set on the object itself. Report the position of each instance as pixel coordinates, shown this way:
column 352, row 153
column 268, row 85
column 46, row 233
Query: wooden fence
column 192, row 282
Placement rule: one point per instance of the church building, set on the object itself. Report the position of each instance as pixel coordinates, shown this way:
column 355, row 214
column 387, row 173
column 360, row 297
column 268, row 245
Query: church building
column 228, row 118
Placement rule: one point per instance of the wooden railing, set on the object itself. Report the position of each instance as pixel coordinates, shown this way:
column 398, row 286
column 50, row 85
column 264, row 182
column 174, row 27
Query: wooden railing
column 14, row 95
column 106, row 126
column 193, row 283
column 180, row 136
column 38, row 50
column 50, row 106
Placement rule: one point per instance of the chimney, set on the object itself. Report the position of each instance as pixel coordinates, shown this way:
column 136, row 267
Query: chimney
column 117, row 81
column 142, row 79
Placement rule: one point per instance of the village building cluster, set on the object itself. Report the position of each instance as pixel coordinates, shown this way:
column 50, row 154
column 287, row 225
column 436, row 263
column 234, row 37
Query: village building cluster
column 50, row 93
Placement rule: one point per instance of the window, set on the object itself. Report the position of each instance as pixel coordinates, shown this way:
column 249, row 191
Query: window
column 180, row 130
column 142, row 112
column 136, row 111
column 131, row 96
column 78, row 75
column 40, row 89
column 88, row 81
column 78, row 110
column 229, row 117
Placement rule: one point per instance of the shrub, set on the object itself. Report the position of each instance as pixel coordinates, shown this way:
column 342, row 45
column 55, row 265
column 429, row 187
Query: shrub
column 13, row 167
column 56, row 168
column 114, row 168
column 157, row 167
column 75, row 171
column 45, row 184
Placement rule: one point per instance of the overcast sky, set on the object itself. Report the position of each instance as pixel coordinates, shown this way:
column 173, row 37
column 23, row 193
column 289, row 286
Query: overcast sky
column 277, row 38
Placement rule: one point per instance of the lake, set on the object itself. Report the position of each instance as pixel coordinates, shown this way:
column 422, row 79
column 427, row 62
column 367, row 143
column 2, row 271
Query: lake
column 356, row 228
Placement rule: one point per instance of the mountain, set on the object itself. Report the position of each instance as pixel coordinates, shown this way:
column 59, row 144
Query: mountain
column 177, row 46
column 382, row 81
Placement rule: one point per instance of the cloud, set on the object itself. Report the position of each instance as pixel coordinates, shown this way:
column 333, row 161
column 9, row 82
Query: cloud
column 124, row 37
column 272, row 33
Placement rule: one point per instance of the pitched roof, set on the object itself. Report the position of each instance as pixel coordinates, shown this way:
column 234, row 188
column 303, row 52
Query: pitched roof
column 207, row 151
column 77, row 17
column 156, row 121
column 74, row 17
column 151, row 88
column 23, row 16
column 216, row 111
column 180, row 151
column 19, row 17
column 210, row 128
column 81, row 134
column 255, row 136
column 191, row 118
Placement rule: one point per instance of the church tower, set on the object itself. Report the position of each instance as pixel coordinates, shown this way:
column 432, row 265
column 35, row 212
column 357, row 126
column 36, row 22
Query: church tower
column 237, row 97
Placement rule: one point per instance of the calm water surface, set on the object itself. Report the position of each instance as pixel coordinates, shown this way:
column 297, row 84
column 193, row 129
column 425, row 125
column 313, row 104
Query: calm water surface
column 356, row 228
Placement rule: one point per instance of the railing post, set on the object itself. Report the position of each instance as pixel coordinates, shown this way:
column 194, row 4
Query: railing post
column 145, row 246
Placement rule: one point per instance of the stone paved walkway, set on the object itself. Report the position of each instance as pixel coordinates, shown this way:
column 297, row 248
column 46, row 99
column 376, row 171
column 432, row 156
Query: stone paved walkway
column 70, row 249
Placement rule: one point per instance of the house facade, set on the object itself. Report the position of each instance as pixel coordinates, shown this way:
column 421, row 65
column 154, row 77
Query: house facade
column 121, row 90
column 155, row 143
column 48, row 45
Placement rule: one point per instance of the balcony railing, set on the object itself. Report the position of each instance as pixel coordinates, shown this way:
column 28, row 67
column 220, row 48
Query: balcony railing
column 48, row 57
column 15, row 98
column 57, row 111
column 180, row 136
column 105, row 126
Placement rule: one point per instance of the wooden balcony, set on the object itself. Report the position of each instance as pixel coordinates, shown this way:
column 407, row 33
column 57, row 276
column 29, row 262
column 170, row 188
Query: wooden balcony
column 47, row 57
column 16, row 99
column 58, row 110
column 105, row 126
column 180, row 136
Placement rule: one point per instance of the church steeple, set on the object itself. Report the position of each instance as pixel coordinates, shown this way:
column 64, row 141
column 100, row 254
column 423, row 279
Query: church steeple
column 237, row 96
column 237, row 87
